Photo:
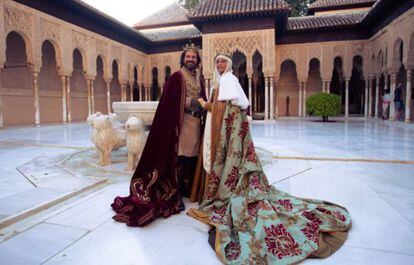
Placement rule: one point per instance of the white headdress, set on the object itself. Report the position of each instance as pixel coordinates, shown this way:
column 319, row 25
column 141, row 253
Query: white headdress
column 230, row 88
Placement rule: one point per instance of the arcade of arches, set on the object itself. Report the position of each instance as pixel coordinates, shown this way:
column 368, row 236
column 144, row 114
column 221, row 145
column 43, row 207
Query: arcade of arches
column 60, row 72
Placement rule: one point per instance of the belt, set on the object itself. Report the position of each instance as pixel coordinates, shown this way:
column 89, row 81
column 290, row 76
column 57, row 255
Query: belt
column 194, row 113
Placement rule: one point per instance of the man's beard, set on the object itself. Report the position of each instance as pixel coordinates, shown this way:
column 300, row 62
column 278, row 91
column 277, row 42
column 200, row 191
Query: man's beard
column 190, row 66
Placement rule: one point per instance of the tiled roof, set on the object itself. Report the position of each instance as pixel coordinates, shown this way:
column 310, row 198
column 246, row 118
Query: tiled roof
column 322, row 4
column 172, row 14
column 171, row 33
column 325, row 22
column 215, row 9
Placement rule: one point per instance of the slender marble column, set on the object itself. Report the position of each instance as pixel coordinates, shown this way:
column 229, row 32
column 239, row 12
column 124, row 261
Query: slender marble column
column 377, row 97
column 366, row 97
column 250, row 96
column 36, row 97
column 408, row 104
column 266, row 112
column 304, row 100
column 392, row 103
column 271, row 98
column 68, row 99
column 300, row 99
column 108, row 95
column 347, row 98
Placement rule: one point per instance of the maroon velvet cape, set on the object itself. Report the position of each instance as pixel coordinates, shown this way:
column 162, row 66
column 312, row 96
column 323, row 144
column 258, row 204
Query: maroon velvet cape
column 154, row 188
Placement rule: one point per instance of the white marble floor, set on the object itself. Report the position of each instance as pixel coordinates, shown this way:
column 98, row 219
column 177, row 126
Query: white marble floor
column 378, row 194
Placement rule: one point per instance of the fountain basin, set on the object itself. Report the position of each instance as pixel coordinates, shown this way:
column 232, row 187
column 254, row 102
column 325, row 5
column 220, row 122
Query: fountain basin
column 144, row 110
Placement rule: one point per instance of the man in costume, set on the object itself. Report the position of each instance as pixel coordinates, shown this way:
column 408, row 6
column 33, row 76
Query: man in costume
column 165, row 171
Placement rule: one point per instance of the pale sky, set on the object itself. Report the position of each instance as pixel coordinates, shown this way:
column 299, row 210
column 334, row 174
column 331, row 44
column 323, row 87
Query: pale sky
column 129, row 11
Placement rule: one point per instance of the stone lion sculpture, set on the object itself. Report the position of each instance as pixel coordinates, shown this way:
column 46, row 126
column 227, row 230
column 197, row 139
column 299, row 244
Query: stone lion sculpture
column 135, row 140
column 107, row 138
column 90, row 120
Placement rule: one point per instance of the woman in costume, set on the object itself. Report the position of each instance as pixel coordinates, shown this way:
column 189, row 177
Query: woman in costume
column 251, row 221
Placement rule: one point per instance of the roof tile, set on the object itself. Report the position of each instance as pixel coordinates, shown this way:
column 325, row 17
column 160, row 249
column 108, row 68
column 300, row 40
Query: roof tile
column 171, row 14
column 218, row 8
column 171, row 33
column 320, row 4
column 312, row 23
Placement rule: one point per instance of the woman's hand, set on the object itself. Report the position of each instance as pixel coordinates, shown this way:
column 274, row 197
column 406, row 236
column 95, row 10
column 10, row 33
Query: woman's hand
column 202, row 102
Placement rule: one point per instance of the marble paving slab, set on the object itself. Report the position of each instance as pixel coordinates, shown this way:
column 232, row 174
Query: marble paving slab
column 38, row 244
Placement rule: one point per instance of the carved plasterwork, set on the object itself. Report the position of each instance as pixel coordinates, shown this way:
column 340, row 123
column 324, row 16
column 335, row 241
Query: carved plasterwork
column 79, row 39
column 17, row 19
column 116, row 52
column 246, row 42
column 358, row 49
column 339, row 50
column 289, row 54
column 314, row 52
column 50, row 30
column 101, row 48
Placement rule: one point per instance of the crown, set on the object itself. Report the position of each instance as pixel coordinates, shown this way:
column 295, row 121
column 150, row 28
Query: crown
column 191, row 47
column 226, row 52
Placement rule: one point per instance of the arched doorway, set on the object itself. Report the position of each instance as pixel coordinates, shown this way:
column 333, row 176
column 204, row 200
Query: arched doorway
column 258, row 87
column 167, row 73
column 402, row 74
column 357, row 87
column 288, row 90
column 100, row 87
column 78, row 89
column 239, row 70
column 136, row 94
column 50, row 86
column 115, row 85
column 155, row 87
column 17, row 83
column 314, row 82
column 338, row 83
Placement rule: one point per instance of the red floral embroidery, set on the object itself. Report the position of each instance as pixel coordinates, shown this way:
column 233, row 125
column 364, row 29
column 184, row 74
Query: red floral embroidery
column 232, row 250
column 335, row 214
column 252, row 209
column 251, row 153
column 217, row 214
column 254, row 181
column 232, row 178
column 311, row 231
column 280, row 242
column 244, row 129
column 339, row 216
column 312, row 217
column 212, row 185
column 323, row 210
column 286, row 204
column 229, row 124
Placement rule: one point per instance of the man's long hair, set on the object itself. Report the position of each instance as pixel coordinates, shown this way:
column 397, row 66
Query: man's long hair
column 183, row 57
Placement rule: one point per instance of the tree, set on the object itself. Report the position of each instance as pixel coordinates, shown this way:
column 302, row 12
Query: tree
column 323, row 105
column 299, row 7
column 188, row 4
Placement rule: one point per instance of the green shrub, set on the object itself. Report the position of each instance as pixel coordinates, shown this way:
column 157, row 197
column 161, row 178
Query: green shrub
column 323, row 105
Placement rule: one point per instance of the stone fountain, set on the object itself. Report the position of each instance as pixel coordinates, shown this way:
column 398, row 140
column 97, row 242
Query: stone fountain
column 145, row 110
